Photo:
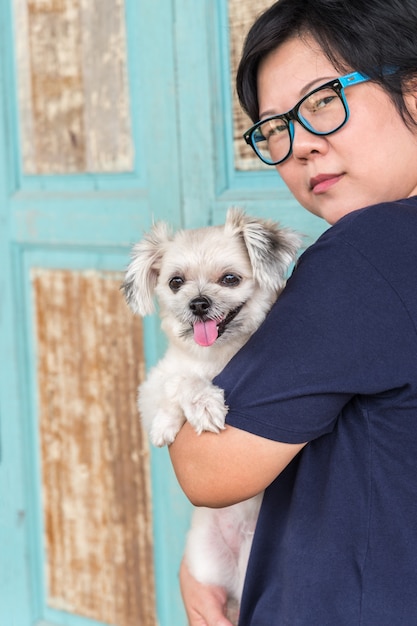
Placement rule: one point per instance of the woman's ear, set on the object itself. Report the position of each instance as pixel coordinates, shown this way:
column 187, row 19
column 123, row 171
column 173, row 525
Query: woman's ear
column 410, row 98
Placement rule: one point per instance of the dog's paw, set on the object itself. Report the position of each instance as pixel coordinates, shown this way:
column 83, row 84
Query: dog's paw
column 205, row 409
column 164, row 429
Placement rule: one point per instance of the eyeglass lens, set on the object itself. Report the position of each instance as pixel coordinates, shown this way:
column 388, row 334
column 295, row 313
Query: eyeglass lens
column 322, row 112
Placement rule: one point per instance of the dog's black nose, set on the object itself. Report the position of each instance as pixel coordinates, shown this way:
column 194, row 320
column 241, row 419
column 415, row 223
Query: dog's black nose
column 200, row 305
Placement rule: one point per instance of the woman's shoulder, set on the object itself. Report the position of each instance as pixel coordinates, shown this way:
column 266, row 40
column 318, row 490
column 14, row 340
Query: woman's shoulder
column 387, row 226
column 381, row 238
column 385, row 216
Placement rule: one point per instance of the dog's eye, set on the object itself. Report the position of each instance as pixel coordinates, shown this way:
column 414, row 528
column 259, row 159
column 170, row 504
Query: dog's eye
column 230, row 280
column 176, row 283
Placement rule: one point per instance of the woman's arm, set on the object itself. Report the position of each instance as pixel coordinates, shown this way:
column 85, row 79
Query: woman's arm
column 217, row 470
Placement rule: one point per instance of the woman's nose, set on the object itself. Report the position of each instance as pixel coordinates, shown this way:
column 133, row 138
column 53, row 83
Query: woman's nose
column 306, row 143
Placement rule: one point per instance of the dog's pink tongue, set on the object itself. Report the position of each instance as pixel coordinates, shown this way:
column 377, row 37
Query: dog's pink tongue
column 205, row 333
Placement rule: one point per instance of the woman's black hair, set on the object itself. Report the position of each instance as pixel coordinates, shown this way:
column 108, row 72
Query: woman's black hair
column 374, row 37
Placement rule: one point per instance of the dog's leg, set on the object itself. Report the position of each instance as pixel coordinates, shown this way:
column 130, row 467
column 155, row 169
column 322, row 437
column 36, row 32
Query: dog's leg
column 166, row 425
column 161, row 414
column 201, row 401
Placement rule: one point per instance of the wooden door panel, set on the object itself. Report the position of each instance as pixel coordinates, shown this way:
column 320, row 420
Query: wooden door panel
column 94, row 455
column 74, row 100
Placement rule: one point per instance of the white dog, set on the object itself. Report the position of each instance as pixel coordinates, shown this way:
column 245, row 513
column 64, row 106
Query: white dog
column 214, row 287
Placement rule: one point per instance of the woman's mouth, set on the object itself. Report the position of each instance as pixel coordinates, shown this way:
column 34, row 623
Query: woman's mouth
column 321, row 183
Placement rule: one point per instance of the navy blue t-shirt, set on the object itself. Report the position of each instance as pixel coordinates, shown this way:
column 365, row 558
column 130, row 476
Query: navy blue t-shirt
column 335, row 364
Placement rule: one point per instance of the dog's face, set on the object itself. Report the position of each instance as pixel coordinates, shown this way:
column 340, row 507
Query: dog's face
column 206, row 289
column 213, row 284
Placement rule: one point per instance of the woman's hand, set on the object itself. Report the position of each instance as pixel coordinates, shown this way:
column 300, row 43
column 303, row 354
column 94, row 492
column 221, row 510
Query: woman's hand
column 205, row 604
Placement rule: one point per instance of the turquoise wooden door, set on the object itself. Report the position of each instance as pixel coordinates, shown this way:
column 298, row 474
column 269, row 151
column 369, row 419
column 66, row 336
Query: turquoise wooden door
column 88, row 145
column 112, row 114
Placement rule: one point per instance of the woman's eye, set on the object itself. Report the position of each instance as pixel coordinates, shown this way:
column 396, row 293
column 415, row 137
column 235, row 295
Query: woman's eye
column 323, row 102
column 230, row 280
column 175, row 283
column 273, row 128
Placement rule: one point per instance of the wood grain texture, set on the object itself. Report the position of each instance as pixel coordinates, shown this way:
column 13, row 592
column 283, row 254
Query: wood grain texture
column 73, row 86
column 94, row 454
column 242, row 14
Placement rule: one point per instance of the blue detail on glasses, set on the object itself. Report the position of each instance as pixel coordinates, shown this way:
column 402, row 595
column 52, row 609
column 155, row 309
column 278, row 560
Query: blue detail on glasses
column 322, row 111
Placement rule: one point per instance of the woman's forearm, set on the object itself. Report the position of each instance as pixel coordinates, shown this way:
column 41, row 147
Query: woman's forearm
column 221, row 469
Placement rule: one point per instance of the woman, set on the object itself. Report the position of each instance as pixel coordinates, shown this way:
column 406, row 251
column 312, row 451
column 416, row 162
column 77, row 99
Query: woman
column 323, row 399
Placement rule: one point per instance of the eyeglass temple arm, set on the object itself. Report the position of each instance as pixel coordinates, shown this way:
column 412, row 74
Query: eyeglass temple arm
column 356, row 77
column 353, row 79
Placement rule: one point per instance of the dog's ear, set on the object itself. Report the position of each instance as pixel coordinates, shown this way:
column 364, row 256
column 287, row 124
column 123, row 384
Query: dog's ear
column 142, row 274
column 271, row 249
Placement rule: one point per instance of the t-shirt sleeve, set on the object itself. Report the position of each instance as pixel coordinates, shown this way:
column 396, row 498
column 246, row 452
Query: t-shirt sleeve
column 328, row 338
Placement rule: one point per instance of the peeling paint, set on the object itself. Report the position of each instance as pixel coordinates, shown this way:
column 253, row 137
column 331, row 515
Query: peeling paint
column 241, row 17
column 95, row 456
column 73, row 86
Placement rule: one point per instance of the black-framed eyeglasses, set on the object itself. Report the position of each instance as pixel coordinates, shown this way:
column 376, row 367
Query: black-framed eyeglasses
column 322, row 111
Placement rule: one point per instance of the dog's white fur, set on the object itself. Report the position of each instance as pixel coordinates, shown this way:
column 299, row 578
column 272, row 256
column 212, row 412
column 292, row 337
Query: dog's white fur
column 238, row 267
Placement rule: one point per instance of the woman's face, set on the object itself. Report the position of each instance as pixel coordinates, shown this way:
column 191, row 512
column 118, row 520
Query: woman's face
column 369, row 160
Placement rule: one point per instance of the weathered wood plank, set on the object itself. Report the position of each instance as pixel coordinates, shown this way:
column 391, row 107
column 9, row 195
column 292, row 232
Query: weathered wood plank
column 73, row 86
column 241, row 17
column 95, row 457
